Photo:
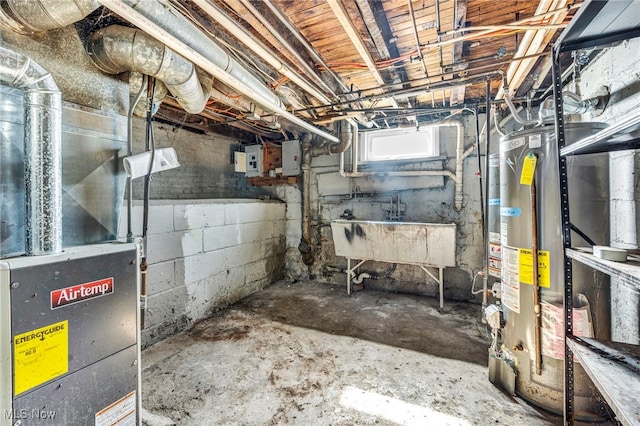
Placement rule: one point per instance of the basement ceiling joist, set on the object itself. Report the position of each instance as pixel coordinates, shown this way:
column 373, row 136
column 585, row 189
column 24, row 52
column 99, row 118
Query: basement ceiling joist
column 358, row 55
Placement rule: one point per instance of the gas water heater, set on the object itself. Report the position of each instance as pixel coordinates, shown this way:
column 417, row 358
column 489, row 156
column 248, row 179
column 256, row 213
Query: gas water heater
column 529, row 166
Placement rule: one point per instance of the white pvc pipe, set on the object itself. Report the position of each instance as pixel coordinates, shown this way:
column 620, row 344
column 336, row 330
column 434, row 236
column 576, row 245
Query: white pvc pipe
column 455, row 176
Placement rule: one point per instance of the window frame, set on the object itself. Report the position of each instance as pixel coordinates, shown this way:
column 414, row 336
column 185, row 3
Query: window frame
column 366, row 139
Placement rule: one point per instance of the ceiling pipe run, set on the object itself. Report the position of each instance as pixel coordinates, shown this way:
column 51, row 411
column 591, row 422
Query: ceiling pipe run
column 164, row 23
column 258, row 48
column 312, row 52
column 116, row 49
column 42, row 151
column 456, row 177
column 309, row 71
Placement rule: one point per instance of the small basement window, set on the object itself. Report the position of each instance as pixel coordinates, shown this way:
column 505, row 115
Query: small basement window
column 399, row 144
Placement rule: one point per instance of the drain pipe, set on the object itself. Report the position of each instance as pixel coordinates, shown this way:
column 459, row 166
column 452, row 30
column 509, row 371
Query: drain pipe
column 329, row 148
column 116, row 49
column 305, row 248
column 308, row 152
column 42, row 151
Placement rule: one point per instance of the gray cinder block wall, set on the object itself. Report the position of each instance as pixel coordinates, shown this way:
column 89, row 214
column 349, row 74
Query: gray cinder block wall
column 204, row 255
column 618, row 68
column 206, row 170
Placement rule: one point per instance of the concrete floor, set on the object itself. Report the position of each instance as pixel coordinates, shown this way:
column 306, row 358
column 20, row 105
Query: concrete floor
column 307, row 354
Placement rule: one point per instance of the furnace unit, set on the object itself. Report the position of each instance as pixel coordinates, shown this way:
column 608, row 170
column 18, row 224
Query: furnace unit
column 71, row 320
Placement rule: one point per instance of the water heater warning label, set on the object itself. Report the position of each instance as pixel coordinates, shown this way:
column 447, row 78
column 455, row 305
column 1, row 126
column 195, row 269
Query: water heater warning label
column 526, row 267
column 40, row 355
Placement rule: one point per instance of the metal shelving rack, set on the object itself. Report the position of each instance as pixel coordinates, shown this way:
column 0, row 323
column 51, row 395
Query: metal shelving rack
column 615, row 374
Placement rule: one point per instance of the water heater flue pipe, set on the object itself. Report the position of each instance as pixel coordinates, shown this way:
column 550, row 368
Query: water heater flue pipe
column 42, row 150
column 116, row 49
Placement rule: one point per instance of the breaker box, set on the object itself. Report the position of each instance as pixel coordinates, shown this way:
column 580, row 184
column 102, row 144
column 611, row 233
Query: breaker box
column 291, row 158
column 69, row 327
column 254, row 160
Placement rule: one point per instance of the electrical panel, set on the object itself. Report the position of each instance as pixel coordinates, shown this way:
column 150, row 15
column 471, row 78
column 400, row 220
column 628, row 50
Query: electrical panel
column 254, row 160
column 291, row 158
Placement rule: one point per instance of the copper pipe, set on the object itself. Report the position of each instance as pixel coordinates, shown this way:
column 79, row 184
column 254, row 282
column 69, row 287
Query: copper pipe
column 536, row 280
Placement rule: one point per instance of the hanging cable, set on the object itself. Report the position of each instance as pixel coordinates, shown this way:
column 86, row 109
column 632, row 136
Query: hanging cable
column 149, row 146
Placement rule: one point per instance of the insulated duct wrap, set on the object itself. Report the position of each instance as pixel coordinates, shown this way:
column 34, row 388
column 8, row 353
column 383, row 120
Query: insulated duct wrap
column 116, row 49
column 42, row 151
column 161, row 13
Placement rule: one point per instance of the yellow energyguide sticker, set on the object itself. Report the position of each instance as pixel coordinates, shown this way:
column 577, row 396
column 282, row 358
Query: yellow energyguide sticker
column 528, row 169
column 40, row 355
column 526, row 267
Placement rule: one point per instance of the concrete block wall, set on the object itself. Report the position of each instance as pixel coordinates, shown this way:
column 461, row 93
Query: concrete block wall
column 206, row 169
column 618, row 69
column 426, row 198
column 204, row 255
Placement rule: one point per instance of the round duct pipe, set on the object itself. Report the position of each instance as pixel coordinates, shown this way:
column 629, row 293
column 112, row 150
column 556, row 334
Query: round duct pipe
column 117, row 49
column 42, row 151
column 29, row 16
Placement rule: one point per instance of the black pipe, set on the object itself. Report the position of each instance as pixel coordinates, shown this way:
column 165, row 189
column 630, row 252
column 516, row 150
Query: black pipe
column 483, row 220
column 149, row 145
column 486, row 185
column 426, row 87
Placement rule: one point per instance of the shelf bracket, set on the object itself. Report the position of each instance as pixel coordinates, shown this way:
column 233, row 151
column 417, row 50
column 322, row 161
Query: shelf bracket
column 566, row 238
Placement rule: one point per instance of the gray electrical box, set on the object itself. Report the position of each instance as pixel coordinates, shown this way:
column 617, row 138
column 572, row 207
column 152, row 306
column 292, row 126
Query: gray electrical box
column 291, row 158
column 72, row 323
column 254, row 160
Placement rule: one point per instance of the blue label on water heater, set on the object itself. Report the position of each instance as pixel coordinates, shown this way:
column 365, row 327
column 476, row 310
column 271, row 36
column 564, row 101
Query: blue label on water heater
column 494, row 201
column 510, row 211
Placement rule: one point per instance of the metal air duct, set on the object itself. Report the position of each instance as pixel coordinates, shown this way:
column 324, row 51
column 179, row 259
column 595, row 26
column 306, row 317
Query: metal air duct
column 117, row 49
column 28, row 16
column 163, row 22
column 42, row 151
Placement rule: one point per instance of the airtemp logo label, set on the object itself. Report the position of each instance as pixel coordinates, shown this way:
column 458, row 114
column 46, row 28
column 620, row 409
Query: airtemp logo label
column 81, row 292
